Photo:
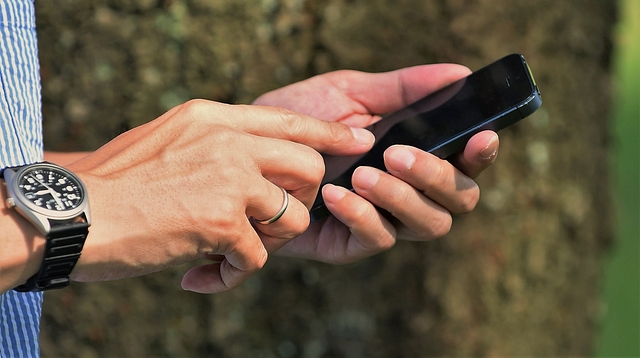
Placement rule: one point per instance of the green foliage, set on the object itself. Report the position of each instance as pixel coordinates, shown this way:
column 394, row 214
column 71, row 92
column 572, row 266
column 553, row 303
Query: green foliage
column 620, row 336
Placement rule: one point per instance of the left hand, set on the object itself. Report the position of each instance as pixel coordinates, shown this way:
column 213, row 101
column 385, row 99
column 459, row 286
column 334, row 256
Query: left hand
column 420, row 190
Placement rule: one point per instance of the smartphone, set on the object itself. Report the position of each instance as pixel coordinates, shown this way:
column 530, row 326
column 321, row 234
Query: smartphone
column 441, row 123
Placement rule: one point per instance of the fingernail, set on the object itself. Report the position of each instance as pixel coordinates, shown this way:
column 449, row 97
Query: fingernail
column 365, row 178
column 332, row 193
column 491, row 150
column 400, row 158
column 363, row 136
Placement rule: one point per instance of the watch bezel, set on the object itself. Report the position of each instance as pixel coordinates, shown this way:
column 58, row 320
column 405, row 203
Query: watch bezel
column 12, row 178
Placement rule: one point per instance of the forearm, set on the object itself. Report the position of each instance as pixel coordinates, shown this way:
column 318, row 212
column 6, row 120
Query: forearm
column 21, row 247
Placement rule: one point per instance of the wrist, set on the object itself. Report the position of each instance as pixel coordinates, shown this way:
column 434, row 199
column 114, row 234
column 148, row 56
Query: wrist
column 21, row 246
column 54, row 202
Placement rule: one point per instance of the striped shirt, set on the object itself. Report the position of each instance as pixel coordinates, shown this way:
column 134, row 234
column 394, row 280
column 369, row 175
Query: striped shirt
column 20, row 143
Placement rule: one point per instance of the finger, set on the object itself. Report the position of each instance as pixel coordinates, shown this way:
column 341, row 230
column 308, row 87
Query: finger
column 204, row 279
column 424, row 217
column 290, row 220
column 293, row 166
column 299, row 173
column 243, row 256
column 480, row 152
column 436, row 178
column 268, row 202
column 371, row 233
column 328, row 137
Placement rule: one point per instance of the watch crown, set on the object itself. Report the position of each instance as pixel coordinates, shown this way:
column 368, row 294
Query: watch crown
column 11, row 202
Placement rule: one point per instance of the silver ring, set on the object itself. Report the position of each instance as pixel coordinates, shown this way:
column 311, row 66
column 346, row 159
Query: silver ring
column 277, row 216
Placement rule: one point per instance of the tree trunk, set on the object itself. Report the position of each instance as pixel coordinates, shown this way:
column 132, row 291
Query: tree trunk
column 518, row 276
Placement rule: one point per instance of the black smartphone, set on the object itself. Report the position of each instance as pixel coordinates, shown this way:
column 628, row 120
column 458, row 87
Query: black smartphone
column 441, row 123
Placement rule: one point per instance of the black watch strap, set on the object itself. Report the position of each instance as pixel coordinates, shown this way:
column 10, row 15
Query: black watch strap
column 62, row 250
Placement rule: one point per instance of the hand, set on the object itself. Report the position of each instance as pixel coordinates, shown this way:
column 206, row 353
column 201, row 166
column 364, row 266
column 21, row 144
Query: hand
column 420, row 190
column 185, row 186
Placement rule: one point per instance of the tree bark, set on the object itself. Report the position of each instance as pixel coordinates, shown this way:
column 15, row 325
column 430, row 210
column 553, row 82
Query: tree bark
column 518, row 276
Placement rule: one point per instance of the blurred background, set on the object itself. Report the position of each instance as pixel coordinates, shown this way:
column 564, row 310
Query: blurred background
column 547, row 265
column 621, row 323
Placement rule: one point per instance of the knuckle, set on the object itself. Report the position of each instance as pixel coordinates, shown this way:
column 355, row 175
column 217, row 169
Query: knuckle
column 470, row 200
column 291, row 121
column 383, row 243
column 191, row 111
column 442, row 225
column 193, row 106
column 296, row 230
column 439, row 176
column 257, row 262
column 316, row 168
column 337, row 134
column 207, row 111
column 254, row 255
column 296, row 125
column 225, row 221
column 297, row 221
column 361, row 214
column 401, row 196
column 371, row 246
column 309, row 167
column 301, row 223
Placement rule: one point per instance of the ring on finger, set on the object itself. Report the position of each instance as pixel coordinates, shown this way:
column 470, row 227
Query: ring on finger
column 279, row 214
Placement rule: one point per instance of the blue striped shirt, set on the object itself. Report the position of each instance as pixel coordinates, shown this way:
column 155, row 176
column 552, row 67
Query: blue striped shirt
column 20, row 143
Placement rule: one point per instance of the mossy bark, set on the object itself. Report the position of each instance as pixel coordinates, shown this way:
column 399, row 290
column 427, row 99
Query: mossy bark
column 518, row 276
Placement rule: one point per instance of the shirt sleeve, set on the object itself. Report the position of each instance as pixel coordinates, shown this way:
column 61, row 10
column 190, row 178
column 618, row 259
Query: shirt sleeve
column 20, row 143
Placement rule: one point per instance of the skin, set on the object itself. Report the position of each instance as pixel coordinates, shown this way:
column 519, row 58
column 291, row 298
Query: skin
column 420, row 190
column 172, row 191
column 184, row 187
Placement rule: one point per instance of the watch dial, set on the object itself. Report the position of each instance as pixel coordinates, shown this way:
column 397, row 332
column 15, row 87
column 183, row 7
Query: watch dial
column 50, row 188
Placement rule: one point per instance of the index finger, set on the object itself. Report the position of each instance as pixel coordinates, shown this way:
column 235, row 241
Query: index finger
column 327, row 137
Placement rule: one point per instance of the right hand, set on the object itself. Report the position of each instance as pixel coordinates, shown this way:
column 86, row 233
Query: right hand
column 185, row 186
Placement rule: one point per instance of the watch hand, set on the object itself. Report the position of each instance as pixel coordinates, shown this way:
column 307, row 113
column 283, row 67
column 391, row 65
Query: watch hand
column 55, row 196
column 53, row 193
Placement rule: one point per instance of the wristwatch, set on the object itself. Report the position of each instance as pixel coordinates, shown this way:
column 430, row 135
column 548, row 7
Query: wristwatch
column 55, row 201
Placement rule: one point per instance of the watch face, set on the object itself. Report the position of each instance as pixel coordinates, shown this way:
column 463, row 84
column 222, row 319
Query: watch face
column 50, row 188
